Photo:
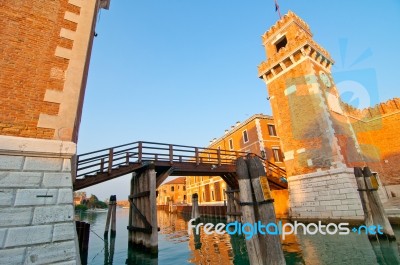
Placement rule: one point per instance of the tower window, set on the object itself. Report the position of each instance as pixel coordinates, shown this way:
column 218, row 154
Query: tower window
column 230, row 144
column 281, row 43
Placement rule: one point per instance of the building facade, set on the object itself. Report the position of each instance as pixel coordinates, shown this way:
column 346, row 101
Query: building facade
column 255, row 135
column 46, row 47
column 174, row 191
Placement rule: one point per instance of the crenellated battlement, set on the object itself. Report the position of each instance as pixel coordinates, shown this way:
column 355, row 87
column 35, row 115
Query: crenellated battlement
column 377, row 111
column 299, row 43
column 286, row 19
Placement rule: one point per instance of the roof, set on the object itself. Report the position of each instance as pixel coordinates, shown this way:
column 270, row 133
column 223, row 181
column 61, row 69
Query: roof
column 240, row 125
column 180, row 180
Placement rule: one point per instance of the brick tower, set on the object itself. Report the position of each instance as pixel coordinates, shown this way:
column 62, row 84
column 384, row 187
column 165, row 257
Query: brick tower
column 45, row 53
column 318, row 141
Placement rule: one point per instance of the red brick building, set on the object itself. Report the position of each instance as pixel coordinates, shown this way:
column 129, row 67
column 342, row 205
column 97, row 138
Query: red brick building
column 45, row 53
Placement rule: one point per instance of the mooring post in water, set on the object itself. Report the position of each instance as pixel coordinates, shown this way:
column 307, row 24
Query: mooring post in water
column 247, row 207
column 378, row 212
column 270, row 244
column 374, row 213
column 195, row 206
column 362, row 190
column 114, row 216
column 112, row 205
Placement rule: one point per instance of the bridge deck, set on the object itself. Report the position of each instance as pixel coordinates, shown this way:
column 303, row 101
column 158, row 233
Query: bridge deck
column 170, row 160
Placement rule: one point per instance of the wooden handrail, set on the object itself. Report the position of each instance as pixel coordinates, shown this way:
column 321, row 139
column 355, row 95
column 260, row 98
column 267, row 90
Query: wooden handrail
column 105, row 160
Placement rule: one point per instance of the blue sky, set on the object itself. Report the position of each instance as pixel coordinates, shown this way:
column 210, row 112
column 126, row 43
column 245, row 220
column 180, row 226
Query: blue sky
column 183, row 71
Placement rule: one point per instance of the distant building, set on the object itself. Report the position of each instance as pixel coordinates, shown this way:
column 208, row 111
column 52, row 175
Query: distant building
column 79, row 197
column 174, row 190
column 255, row 135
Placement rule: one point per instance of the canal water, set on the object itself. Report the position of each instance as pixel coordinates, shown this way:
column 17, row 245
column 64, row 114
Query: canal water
column 177, row 247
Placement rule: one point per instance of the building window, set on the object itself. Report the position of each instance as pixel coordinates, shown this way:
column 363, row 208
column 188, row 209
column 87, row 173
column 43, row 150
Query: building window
column 184, row 187
column 184, row 197
column 178, row 187
column 245, row 136
column 281, row 43
column 224, row 194
column 271, row 130
column 230, row 144
column 277, row 154
column 172, row 188
column 212, row 195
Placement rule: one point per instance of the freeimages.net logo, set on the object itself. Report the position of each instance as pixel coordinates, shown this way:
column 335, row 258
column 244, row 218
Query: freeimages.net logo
column 281, row 229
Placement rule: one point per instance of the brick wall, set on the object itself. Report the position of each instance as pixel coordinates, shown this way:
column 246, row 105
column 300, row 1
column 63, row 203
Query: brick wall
column 378, row 133
column 30, row 36
column 45, row 47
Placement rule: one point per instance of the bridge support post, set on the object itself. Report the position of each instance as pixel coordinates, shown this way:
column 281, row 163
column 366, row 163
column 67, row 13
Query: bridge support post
column 143, row 229
column 233, row 212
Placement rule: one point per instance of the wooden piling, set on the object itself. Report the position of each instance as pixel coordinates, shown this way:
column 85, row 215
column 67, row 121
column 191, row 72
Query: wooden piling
column 195, row 206
column 83, row 232
column 114, row 217
column 377, row 210
column 112, row 205
column 270, row 244
column 229, row 203
column 152, row 174
column 143, row 222
column 248, row 214
column 362, row 190
column 374, row 213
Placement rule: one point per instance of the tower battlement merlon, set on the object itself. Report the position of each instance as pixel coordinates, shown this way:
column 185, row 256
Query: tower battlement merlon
column 287, row 43
column 288, row 18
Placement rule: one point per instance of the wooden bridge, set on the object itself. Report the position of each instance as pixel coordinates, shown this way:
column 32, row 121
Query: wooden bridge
column 150, row 163
column 169, row 160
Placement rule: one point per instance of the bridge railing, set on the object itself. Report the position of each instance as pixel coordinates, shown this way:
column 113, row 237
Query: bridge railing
column 103, row 161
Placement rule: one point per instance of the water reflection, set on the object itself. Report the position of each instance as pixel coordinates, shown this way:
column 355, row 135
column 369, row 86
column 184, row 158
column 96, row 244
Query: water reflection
column 177, row 247
column 347, row 249
column 109, row 252
column 386, row 252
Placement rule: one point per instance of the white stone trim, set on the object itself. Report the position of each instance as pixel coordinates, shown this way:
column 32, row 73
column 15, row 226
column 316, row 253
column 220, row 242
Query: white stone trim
column 77, row 3
column 71, row 17
column 11, row 145
column 52, row 95
column 322, row 173
column 289, row 155
column 67, row 33
column 63, row 52
column 306, row 57
column 301, row 150
column 64, row 123
column 259, row 135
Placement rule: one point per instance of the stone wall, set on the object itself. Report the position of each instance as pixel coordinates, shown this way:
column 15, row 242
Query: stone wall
column 378, row 130
column 36, row 202
column 325, row 195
